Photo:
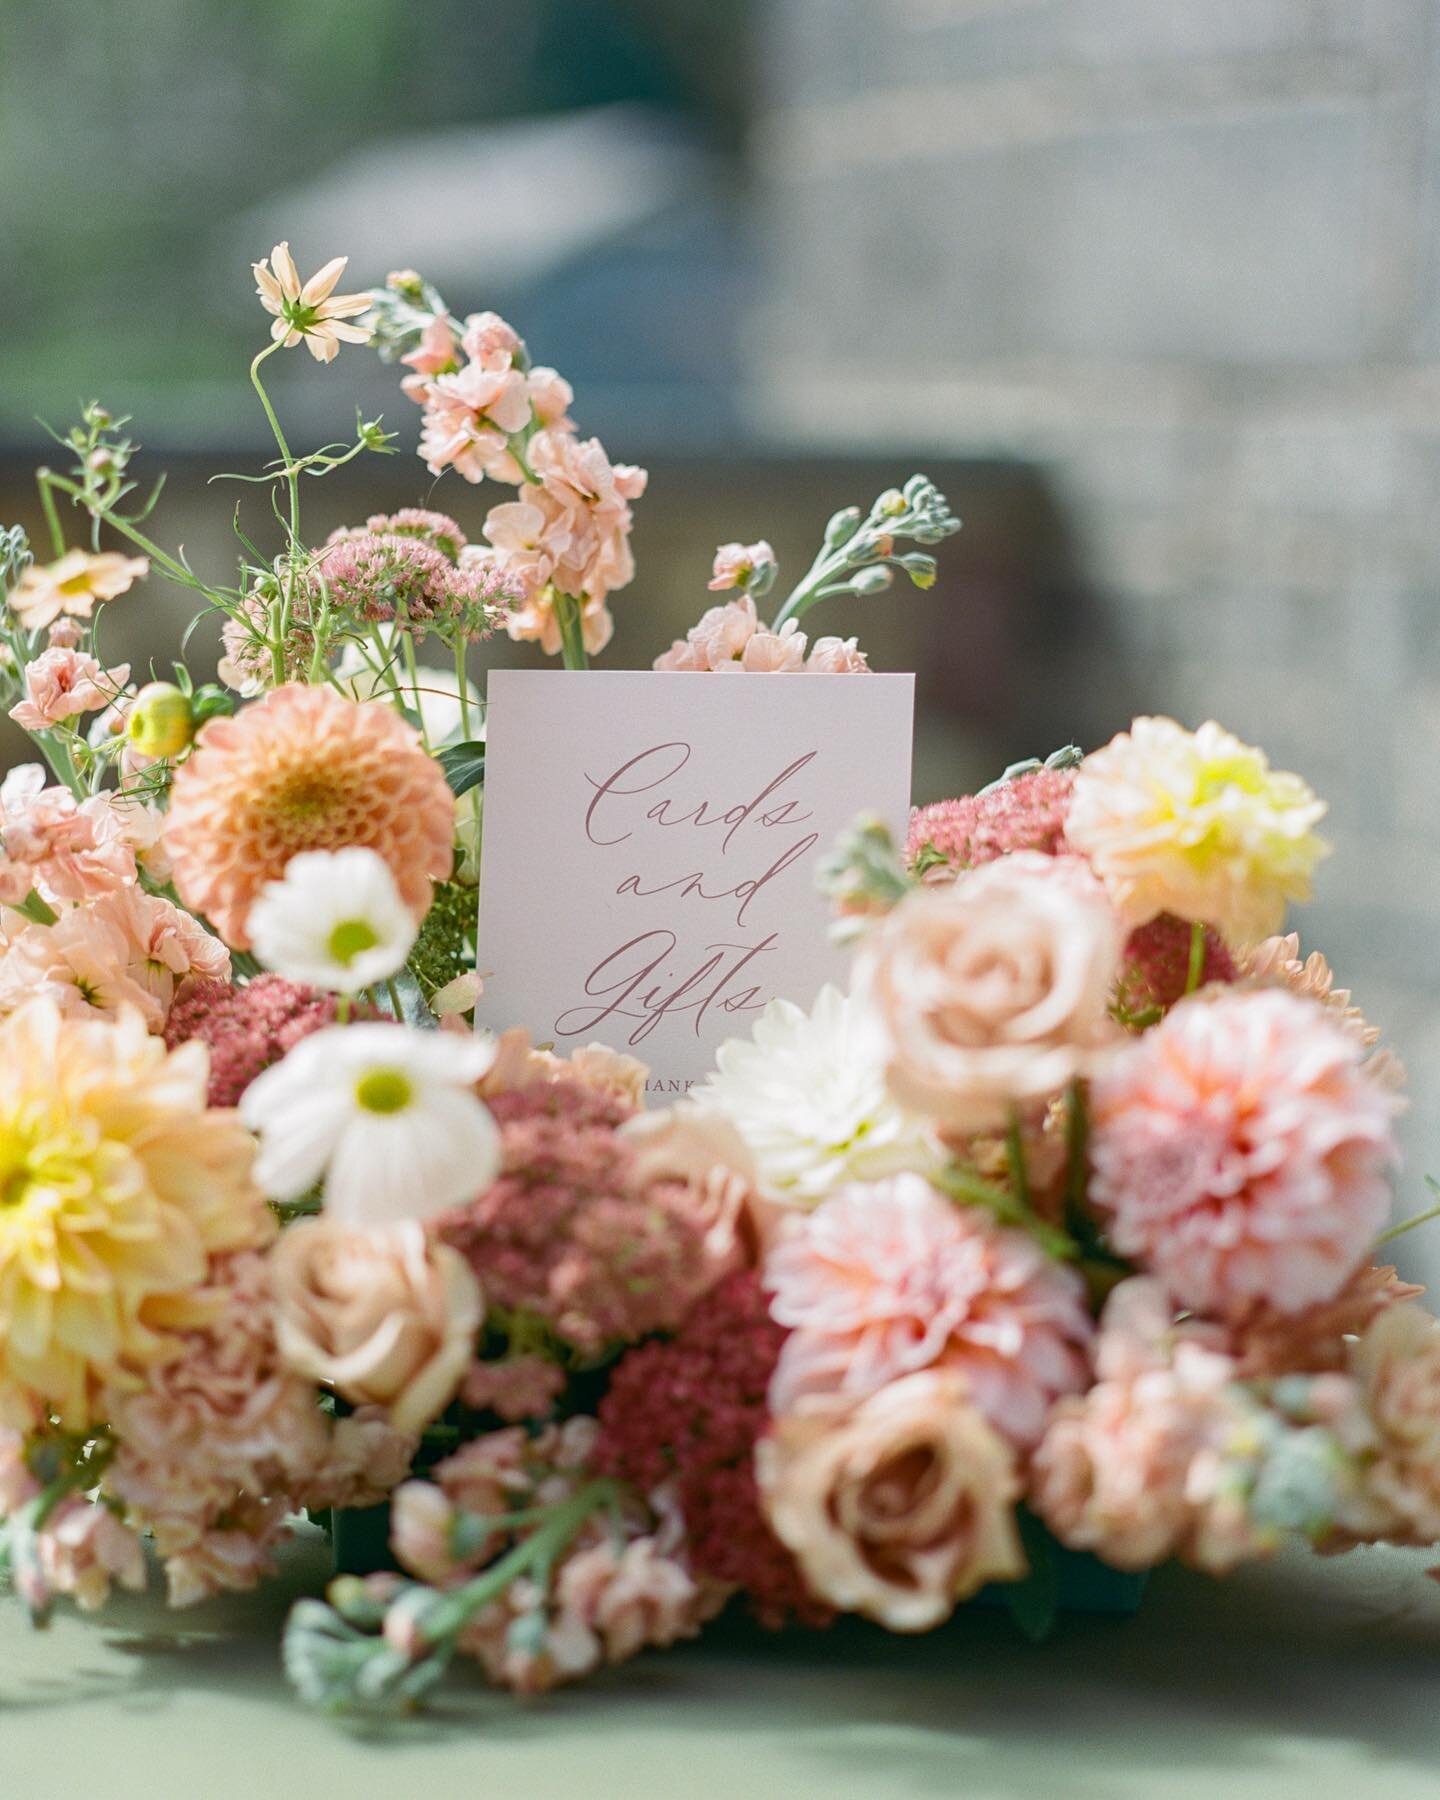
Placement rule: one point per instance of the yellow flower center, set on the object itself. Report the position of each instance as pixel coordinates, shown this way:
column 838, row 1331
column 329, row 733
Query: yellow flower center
column 75, row 584
column 350, row 938
column 384, row 1091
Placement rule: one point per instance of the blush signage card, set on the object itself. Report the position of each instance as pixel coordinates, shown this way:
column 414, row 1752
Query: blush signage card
column 650, row 847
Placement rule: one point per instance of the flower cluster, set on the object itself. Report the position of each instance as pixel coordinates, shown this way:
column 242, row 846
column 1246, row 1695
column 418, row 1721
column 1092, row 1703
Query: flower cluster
column 1062, row 1215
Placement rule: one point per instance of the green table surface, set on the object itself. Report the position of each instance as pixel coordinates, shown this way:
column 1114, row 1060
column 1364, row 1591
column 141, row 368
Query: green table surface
column 1308, row 1678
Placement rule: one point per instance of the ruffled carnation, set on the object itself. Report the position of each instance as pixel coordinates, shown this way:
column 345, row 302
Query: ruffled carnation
column 1241, row 1152
column 571, row 1234
column 884, row 1280
column 1196, row 824
column 62, row 682
column 1027, row 813
column 691, row 1409
column 304, row 769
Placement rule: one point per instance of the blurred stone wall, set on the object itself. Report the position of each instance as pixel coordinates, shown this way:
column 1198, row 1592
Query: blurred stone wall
column 1184, row 254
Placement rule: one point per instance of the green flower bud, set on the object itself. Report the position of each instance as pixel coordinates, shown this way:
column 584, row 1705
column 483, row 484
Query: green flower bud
column 873, row 580
column 892, row 503
column 161, row 721
column 842, row 527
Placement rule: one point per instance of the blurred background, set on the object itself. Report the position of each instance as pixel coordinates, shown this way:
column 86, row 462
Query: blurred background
column 1152, row 290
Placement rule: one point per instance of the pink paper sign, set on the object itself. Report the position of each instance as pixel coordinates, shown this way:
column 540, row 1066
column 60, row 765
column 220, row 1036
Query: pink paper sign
column 650, row 846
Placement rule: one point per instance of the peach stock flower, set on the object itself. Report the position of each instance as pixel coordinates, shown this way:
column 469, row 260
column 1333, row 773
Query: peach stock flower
column 716, row 640
column 304, row 769
column 993, row 989
column 383, row 1317
column 119, row 1185
column 1197, row 824
column 899, row 1509
column 837, row 656
column 886, row 1279
column 66, row 850
column 312, row 310
column 1241, row 1151
column 74, row 585
column 742, row 566
column 61, row 683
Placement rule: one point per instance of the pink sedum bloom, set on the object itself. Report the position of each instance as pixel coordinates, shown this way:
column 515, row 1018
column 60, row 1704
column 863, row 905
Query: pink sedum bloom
column 886, row 1279
column 62, row 682
column 1241, row 1152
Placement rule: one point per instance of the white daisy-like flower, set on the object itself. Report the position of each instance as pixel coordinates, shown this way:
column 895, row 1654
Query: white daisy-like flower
column 385, row 1116
column 309, row 311
column 335, row 920
column 807, row 1093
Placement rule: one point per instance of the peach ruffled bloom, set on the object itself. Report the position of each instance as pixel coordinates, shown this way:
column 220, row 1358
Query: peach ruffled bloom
column 119, row 1186
column 1197, row 824
column 74, row 585
column 898, row 1509
column 737, row 565
column 304, row 769
column 385, row 1318
column 310, row 310
column 125, row 948
column 83, row 1548
column 1277, row 963
column 1241, row 1152
column 61, row 683
column 1398, row 1365
column 837, row 656
column 519, row 1065
column 994, row 989
column 67, row 850
column 715, row 641
column 771, row 652
column 887, row 1279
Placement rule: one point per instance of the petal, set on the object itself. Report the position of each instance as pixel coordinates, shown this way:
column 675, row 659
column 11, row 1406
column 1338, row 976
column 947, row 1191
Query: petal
column 321, row 345
column 345, row 306
column 286, row 273
column 349, row 334
column 321, row 282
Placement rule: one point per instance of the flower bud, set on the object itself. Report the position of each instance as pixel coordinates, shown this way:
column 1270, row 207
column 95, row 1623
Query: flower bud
column 892, row 503
column 161, row 721
column 873, row 580
column 842, row 527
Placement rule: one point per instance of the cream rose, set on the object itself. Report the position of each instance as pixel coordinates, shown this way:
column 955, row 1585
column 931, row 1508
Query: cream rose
column 898, row 1509
column 384, row 1317
column 994, row 989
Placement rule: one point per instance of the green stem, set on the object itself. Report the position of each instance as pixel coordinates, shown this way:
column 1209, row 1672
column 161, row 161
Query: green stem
column 1197, row 957
column 1015, row 1153
column 412, row 669
column 163, row 561
column 43, row 478
column 395, row 1006
column 62, row 764
column 291, row 475
column 1421, row 1218
column 572, row 631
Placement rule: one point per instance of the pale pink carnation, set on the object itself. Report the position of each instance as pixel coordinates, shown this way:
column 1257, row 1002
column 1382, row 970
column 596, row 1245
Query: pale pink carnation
column 83, row 1547
column 737, row 565
column 62, row 682
column 1241, row 1151
column 837, row 656
column 885, row 1279
column 1398, row 1365
column 716, row 640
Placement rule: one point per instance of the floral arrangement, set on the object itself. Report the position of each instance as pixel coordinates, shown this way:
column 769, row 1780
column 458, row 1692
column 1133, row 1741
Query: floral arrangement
column 1062, row 1227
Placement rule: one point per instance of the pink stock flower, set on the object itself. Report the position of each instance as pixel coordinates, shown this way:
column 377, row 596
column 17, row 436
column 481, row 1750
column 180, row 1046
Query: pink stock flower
column 123, row 948
column 433, row 355
column 717, row 640
column 66, row 849
column 886, row 1279
column 1241, row 1152
column 771, row 652
column 738, row 565
column 837, row 656
column 61, row 683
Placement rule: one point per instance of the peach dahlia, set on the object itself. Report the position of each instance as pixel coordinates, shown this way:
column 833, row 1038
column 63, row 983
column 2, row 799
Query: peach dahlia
column 304, row 769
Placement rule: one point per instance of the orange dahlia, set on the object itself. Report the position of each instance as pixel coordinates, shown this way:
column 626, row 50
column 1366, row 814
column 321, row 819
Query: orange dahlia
column 304, row 769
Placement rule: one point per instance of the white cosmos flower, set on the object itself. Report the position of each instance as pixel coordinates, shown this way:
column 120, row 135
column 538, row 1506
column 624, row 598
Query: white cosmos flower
column 335, row 920
column 385, row 1115
column 807, row 1093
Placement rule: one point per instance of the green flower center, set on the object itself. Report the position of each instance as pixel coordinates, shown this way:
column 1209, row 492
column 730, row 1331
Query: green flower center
column 383, row 1091
column 349, row 939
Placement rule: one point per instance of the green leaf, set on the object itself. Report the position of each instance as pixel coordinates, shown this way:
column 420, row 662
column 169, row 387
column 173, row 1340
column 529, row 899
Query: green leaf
column 464, row 766
column 1035, row 1600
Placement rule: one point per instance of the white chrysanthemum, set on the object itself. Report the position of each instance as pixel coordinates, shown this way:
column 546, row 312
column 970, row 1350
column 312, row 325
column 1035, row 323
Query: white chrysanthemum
column 807, row 1093
column 386, row 1116
column 335, row 920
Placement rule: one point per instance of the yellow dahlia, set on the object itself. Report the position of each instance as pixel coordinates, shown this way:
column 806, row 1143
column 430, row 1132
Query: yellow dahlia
column 1197, row 824
column 304, row 769
column 116, row 1185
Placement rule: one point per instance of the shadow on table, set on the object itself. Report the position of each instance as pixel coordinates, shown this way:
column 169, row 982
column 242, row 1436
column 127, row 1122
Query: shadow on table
column 1340, row 1657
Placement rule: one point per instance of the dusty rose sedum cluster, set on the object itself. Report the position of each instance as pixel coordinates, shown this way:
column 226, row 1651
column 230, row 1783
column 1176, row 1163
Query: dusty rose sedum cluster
column 993, row 990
